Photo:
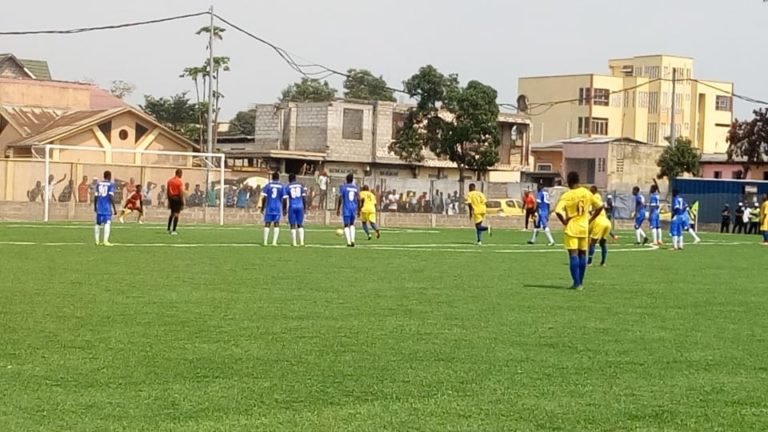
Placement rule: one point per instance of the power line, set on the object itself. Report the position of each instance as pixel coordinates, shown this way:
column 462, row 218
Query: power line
column 99, row 28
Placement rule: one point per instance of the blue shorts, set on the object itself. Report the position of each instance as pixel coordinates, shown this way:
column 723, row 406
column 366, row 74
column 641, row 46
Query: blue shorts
column 654, row 221
column 676, row 228
column 348, row 219
column 639, row 221
column 296, row 216
column 103, row 219
column 271, row 218
column 542, row 222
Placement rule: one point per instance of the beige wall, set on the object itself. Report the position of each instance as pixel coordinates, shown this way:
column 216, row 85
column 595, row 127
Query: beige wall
column 629, row 165
column 45, row 94
column 549, row 157
column 558, row 122
column 711, row 128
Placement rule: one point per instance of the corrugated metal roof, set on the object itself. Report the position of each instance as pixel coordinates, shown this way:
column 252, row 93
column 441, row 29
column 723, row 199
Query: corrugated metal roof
column 29, row 120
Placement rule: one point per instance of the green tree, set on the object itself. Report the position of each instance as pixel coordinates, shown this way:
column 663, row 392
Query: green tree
column 308, row 90
column 244, row 123
column 176, row 112
column 678, row 159
column 748, row 141
column 451, row 121
column 363, row 85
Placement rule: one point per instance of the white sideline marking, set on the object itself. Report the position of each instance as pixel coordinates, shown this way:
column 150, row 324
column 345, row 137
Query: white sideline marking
column 462, row 248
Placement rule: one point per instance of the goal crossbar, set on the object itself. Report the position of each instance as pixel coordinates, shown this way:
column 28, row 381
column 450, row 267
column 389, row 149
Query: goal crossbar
column 49, row 147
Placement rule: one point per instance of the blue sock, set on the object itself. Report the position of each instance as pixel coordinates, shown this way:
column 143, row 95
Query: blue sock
column 765, row 236
column 603, row 253
column 375, row 228
column 591, row 253
column 582, row 269
column 365, row 228
column 479, row 234
column 574, row 267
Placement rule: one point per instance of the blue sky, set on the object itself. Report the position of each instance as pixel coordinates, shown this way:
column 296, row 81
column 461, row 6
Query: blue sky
column 492, row 41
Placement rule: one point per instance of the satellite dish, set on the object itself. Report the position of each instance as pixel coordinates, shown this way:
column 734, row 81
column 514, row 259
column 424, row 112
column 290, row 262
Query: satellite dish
column 522, row 103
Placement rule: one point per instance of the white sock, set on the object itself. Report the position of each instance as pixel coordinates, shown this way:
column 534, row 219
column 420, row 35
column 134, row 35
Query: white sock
column 352, row 233
column 640, row 235
column 674, row 242
column 680, row 241
column 275, row 235
column 107, row 229
column 533, row 236
column 549, row 235
column 348, row 235
column 661, row 234
column 655, row 235
column 301, row 236
column 266, row 236
column 293, row 236
column 97, row 233
column 693, row 233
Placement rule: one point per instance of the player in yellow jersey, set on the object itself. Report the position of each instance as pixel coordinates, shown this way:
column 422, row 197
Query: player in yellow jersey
column 764, row 219
column 368, row 211
column 599, row 230
column 477, row 211
column 573, row 210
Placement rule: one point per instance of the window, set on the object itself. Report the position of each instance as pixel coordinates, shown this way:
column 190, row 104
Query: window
column 616, row 100
column 664, row 130
column 718, row 174
column 619, row 165
column 736, row 175
column 601, row 165
column 583, row 126
column 629, row 99
column 585, row 95
column 723, row 103
column 643, row 102
column 686, row 126
column 599, row 126
column 678, row 102
column 653, row 102
column 651, row 72
column 544, row 167
column 601, row 97
column 352, row 128
column 765, row 175
column 653, row 133
column 106, row 129
column 665, row 99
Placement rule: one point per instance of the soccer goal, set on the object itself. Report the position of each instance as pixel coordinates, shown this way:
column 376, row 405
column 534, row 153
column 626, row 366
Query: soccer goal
column 70, row 172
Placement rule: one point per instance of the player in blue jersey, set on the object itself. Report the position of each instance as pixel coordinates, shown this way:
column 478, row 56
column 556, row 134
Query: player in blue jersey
column 543, row 205
column 677, row 221
column 654, row 218
column 296, row 204
column 687, row 223
column 346, row 207
column 271, row 207
column 639, row 216
column 104, row 207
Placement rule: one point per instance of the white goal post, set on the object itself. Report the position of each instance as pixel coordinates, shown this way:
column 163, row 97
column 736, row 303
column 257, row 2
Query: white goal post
column 48, row 148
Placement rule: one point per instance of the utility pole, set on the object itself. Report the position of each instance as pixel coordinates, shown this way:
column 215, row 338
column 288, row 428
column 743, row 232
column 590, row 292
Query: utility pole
column 209, row 161
column 210, row 84
column 672, row 136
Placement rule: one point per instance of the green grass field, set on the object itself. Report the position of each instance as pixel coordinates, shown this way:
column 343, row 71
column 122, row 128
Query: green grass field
column 420, row 331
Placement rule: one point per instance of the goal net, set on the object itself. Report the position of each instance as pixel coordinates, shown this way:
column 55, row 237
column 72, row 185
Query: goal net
column 62, row 179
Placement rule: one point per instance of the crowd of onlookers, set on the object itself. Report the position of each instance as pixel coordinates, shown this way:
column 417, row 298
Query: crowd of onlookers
column 745, row 219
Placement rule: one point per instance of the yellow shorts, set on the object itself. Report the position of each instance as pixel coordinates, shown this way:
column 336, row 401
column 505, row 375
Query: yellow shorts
column 575, row 243
column 368, row 217
column 599, row 230
column 478, row 218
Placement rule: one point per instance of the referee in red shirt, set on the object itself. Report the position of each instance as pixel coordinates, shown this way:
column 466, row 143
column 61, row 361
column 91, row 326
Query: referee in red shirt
column 175, row 190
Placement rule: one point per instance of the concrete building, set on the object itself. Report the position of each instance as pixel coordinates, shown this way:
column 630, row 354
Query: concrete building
column 341, row 137
column 608, row 163
column 633, row 100
column 717, row 166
